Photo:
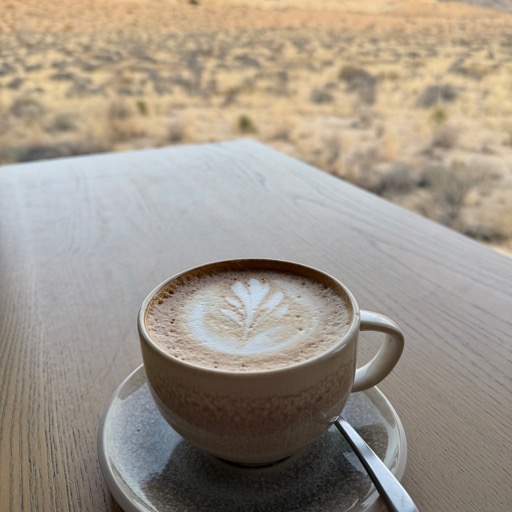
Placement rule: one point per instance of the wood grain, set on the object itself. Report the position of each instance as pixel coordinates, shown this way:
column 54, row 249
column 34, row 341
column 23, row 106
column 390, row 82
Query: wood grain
column 83, row 240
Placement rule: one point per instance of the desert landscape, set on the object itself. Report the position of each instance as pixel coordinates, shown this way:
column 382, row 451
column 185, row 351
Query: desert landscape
column 411, row 100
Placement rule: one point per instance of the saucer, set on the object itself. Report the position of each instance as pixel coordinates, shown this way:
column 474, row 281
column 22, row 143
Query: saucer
column 148, row 467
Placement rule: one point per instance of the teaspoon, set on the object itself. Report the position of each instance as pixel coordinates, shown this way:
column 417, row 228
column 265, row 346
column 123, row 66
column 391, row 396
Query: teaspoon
column 390, row 489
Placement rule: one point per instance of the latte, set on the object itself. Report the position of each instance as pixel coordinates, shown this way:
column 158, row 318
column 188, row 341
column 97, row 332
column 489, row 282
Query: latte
column 246, row 320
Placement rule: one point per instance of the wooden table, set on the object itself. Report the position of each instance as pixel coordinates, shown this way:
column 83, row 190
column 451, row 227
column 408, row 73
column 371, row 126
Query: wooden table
column 83, row 240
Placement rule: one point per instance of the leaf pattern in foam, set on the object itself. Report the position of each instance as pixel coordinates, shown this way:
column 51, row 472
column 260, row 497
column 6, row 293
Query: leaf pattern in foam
column 250, row 308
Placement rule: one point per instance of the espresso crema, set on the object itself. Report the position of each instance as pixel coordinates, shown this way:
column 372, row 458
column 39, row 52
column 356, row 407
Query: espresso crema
column 247, row 320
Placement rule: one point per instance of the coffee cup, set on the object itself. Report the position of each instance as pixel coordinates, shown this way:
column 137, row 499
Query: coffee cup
column 252, row 360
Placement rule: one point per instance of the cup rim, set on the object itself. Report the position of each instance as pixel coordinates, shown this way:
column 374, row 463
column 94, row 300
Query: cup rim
column 349, row 334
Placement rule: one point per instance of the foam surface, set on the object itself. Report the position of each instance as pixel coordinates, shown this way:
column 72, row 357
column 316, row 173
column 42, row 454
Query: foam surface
column 246, row 320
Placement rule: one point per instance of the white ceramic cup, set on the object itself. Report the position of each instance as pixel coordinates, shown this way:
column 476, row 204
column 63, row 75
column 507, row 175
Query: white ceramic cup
column 258, row 417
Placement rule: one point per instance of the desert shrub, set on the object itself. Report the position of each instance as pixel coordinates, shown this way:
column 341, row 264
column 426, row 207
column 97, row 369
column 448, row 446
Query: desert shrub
column 393, row 75
column 359, row 167
column 439, row 115
column 484, row 232
column 320, row 96
column 245, row 124
column 332, row 146
column 176, row 132
column 119, row 109
column 130, row 90
column 469, row 71
column 135, row 44
column 445, row 137
column 181, row 81
column 398, row 179
column 492, row 223
column 63, row 122
column 364, row 120
column 301, row 43
column 282, row 133
column 83, row 87
column 434, row 94
column 30, row 68
column 123, row 130
column 142, row 107
column 247, row 61
column 4, row 121
column 27, row 108
column 55, row 150
column 62, row 76
column 282, row 77
column 6, row 69
column 448, row 188
column 109, row 56
column 161, row 84
column 194, row 62
column 15, row 83
column 360, row 81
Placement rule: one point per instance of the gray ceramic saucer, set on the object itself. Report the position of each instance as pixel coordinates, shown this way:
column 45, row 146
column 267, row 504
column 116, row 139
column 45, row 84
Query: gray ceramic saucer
column 149, row 467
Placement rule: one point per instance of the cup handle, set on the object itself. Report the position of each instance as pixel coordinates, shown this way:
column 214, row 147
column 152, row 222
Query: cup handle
column 388, row 354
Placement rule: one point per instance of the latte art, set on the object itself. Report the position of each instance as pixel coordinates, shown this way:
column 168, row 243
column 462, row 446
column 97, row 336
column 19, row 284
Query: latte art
column 255, row 319
column 250, row 309
column 247, row 320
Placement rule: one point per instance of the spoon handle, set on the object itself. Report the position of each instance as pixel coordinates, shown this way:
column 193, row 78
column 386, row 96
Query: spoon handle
column 391, row 490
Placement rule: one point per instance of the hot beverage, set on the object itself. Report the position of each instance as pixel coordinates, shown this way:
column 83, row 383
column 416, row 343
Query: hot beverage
column 246, row 320
column 252, row 360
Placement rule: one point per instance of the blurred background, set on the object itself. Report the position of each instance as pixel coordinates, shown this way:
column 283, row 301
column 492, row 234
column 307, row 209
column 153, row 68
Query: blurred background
column 411, row 100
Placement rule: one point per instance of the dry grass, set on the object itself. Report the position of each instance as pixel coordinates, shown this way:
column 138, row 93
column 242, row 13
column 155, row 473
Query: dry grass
column 408, row 101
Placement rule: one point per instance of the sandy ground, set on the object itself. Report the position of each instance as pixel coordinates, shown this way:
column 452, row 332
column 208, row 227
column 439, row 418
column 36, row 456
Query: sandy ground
column 411, row 100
